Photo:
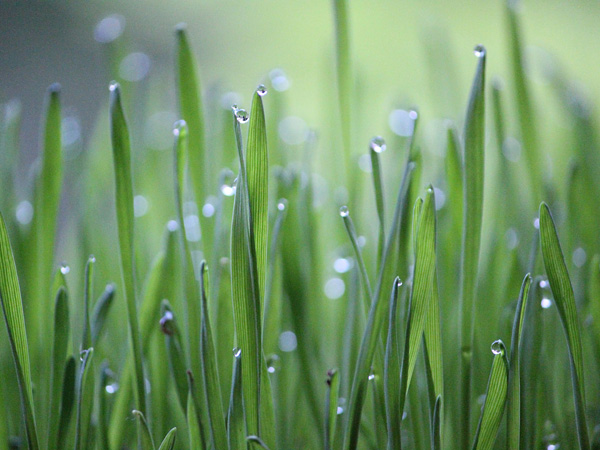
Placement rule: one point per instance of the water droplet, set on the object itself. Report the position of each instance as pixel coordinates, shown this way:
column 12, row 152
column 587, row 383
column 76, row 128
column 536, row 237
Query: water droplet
column 372, row 377
column 261, row 90
column 135, row 66
column 24, row 212
column 273, row 363
column 113, row 86
column 361, row 241
column 228, row 189
column 140, row 206
column 112, row 388
column 293, row 130
column 334, row 288
column 479, row 51
column 536, row 223
column 279, row 80
column 288, row 341
column 180, row 128
column 241, row 115
column 342, row 265
column 172, row 225
column 208, row 210
column 64, row 269
column 546, row 303
column 191, row 224
column 402, row 122
column 378, row 144
column 341, row 404
column 83, row 354
column 237, row 352
column 109, row 28
column 282, row 205
column 440, row 198
column 498, row 347
column 544, row 284
column 92, row 259
column 344, row 211
column 166, row 323
column 579, row 257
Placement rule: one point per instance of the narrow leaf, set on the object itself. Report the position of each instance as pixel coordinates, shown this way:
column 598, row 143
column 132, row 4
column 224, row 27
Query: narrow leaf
column 66, row 404
column 331, row 406
column 101, row 310
column 145, row 441
column 391, row 374
column 85, row 400
column 235, row 413
column 168, row 442
column 169, row 327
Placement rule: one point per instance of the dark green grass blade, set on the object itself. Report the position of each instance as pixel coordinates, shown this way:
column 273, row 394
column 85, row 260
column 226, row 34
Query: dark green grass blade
column 190, row 107
column 562, row 290
column 168, row 442
column 12, row 307
column 513, row 408
column 436, row 426
column 472, row 209
column 124, row 205
column 495, row 399
column 331, row 405
column 145, row 441
column 106, row 376
column 85, row 400
column 175, row 353
column 101, row 310
column 194, row 395
column 364, row 276
column 66, row 403
column 59, row 354
column 235, row 413
column 216, row 417
column 193, row 421
column 391, row 374
column 87, row 293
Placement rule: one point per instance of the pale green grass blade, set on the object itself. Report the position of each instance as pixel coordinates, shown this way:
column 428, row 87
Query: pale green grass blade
column 513, row 407
column 562, row 290
column 391, row 374
column 66, row 403
column 436, row 426
column 454, row 177
column 594, row 295
column 168, row 442
column 473, row 175
column 88, row 290
column 145, row 441
column 216, row 417
column 432, row 341
column 376, row 147
column 495, row 400
column 85, row 400
column 60, row 344
column 101, row 310
column 331, row 406
column 12, row 307
column 235, row 413
column 124, row 206
column 176, row 356
column 190, row 107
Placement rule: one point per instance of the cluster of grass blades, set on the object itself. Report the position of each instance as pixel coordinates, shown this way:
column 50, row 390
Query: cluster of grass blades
column 396, row 357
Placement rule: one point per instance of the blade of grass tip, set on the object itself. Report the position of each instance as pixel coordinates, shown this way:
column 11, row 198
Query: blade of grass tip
column 12, row 308
column 168, row 442
column 495, row 399
column 436, row 427
column 145, row 441
column 377, row 314
column 473, row 175
column 562, row 290
column 525, row 113
column 377, row 146
column 235, row 413
column 513, row 408
column 258, row 441
column 245, row 293
column 66, row 403
column 124, row 206
column 190, row 107
column 101, row 310
column 196, row 401
column 87, row 293
column 212, row 386
column 59, row 354
column 106, row 375
column 331, row 406
column 391, row 375
column 85, row 400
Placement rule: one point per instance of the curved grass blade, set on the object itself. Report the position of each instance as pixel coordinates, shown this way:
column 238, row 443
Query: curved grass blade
column 562, row 290
column 513, row 407
column 66, row 403
column 101, row 310
column 12, row 307
column 436, row 426
column 59, row 354
column 331, row 405
column 190, row 106
column 235, row 413
column 168, row 442
column 145, row 441
column 495, row 399
column 87, row 293
column 212, row 388
column 85, row 400
column 258, row 441
column 391, row 375
column 124, row 205
column 471, row 241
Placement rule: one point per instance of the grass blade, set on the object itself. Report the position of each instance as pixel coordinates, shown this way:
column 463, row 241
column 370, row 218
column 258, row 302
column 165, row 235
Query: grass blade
column 101, row 310
column 562, row 290
column 168, row 442
column 472, row 209
column 87, row 293
column 331, row 406
column 513, row 408
column 12, row 307
column 193, row 420
column 85, row 400
column 235, row 413
column 391, row 375
column 66, row 403
column 495, row 399
column 436, row 426
column 193, row 395
column 376, row 147
column 145, row 441
column 124, row 205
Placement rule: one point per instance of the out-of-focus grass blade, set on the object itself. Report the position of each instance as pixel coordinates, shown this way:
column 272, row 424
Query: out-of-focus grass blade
column 66, row 404
column 196, row 439
column 562, row 290
column 59, row 353
column 473, row 175
column 85, row 400
column 212, row 387
column 124, row 205
column 436, row 426
column 169, row 327
column 12, row 307
column 391, row 374
column 101, row 311
column 87, row 293
column 193, row 391
column 235, row 413
column 145, row 441
column 331, row 406
column 102, row 412
column 594, row 295
column 168, row 442
column 495, row 399
column 513, row 413
column 190, row 106
column 10, row 126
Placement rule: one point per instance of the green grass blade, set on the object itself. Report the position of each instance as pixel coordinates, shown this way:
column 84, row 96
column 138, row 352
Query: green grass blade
column 436, row 426
column 513, row 408
column 473, row 175
column 331, row 406
column 88, row 290
column 235, row 413
column 124, row 206
column 364, row 276
column 85, row 400
column 12, row 307
column 168, row 442
column 432, row 335
column 193, row 420
column 199, row 418
column 190, row 107
column 101, row 310
column 145, row 441
column 66, row 403
column 216, row 417
column 60, row 344
column 391, row 375
column 106, row 376
column 376, row 147
column 562, row 290
column 258, row 441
